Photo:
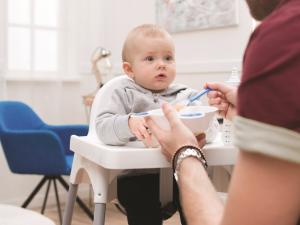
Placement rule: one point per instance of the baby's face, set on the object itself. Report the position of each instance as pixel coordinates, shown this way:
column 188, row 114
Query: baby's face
column 153, row 62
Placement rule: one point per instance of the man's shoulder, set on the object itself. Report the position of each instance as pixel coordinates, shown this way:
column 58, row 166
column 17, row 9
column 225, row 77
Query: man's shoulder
column 274, row 43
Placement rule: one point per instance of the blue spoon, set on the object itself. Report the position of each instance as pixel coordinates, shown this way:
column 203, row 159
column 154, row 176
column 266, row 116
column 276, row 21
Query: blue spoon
column 191, row 99
column 197, row 96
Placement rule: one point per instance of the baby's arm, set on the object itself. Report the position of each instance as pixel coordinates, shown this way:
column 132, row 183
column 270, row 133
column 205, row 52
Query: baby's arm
column 112, row 119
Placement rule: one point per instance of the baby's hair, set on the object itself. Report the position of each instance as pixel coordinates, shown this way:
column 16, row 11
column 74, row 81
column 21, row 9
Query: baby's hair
column 144, row 30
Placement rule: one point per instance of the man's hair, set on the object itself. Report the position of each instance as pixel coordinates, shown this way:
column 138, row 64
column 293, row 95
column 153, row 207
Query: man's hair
column 261, row 9
column 144, row 30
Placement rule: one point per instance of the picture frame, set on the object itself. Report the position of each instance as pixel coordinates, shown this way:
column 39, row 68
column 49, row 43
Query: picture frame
column 190, row 15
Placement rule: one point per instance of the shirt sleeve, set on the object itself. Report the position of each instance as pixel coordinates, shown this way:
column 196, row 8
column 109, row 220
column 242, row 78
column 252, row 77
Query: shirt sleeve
column 257, row 137
column 112, row 118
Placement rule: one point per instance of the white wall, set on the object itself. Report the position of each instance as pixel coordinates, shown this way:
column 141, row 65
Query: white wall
column 2, row 86
column 201, row 55
column 206, row 55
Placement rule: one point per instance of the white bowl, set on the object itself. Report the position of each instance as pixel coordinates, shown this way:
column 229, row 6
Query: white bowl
column 196, row 118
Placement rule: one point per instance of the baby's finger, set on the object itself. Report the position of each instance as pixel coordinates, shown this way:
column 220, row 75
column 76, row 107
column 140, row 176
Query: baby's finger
column 144, row 132
column 154, row 128
column 148, row 141
column 138, row 135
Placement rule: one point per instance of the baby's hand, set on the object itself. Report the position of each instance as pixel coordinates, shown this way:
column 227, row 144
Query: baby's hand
column 139, row 128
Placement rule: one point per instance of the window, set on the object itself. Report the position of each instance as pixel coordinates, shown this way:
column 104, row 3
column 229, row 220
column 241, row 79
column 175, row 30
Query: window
column 35, row 36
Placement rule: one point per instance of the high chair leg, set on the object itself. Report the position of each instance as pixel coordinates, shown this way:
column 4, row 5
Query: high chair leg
column 67, row 219
column 99, row 214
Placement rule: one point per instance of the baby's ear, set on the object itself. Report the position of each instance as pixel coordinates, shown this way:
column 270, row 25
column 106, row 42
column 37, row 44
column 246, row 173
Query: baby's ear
column 128, row 69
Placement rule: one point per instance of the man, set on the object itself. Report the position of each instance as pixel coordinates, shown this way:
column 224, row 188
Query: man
column 265, row 187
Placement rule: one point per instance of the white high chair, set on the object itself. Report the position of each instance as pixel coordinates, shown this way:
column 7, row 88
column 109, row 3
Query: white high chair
column 100, row 164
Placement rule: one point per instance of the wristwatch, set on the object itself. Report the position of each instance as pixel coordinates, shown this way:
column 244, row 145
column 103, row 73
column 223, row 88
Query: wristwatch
column 185, row 152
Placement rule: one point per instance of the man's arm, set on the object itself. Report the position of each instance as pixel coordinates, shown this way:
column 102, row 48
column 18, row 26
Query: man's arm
column 200, row 202
column 263, row 191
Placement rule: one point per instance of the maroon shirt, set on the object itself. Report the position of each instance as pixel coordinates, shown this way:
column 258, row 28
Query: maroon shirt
column 270, row 86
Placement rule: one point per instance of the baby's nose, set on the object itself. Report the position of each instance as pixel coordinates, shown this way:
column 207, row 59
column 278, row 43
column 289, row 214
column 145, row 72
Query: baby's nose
column 161, row 64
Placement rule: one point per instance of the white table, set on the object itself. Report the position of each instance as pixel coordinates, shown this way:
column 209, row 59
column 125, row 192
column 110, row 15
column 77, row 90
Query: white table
column 100, row 164
column 13, row 215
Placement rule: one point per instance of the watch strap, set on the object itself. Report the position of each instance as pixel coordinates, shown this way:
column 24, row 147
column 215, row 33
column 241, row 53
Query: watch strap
column 185, row 152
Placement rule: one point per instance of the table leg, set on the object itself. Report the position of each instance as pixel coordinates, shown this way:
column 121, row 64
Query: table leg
column 99, row 214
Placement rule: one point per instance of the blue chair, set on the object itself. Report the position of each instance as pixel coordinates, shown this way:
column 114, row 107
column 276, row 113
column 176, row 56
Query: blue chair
column 34, row 147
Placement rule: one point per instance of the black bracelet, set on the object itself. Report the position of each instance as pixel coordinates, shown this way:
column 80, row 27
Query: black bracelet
column 183, row 148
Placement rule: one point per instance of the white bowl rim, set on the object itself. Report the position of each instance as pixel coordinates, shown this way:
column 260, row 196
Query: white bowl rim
column 209, row 109
column 159, row 112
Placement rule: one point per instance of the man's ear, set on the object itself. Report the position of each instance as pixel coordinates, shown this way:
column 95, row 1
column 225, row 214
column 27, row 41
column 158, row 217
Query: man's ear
column 128, row 69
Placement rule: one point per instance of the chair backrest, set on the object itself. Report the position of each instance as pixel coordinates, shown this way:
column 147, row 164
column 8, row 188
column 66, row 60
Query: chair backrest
column 97, row 104
column 28, row 146
column 17, row 115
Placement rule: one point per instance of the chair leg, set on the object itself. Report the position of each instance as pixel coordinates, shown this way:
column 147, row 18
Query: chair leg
column 99, row 213
column 46, row 197
column 57, row 200
column 78, row 200
column 67, row 219
column 34, row 192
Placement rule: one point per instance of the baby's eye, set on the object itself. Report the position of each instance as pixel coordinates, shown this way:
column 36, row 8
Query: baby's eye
column 169, row 58
column 149, row 58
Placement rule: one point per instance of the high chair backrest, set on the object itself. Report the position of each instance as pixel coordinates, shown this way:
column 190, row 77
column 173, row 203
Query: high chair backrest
column 97, row 104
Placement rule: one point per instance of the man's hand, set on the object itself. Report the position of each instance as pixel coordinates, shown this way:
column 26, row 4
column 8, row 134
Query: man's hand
column 178, row 136
column 224, row 98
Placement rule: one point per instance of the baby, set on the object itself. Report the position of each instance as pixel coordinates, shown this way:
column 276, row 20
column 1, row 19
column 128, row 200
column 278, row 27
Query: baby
column 149, row 62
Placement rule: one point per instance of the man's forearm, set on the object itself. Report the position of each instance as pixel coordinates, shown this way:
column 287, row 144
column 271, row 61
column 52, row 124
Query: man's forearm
column 199, row 199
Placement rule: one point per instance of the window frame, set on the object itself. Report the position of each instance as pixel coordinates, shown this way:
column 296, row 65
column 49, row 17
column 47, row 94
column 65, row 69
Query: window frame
column 62, row 48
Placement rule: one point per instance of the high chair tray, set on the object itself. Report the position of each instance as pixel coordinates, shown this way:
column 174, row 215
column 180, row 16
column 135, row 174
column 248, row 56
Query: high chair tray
column 127, row 157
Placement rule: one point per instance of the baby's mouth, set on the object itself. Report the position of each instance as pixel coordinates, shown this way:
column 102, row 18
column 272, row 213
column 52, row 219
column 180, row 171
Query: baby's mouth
column 161, row 76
